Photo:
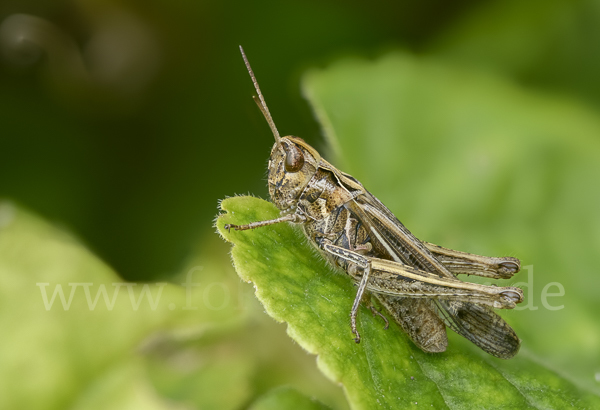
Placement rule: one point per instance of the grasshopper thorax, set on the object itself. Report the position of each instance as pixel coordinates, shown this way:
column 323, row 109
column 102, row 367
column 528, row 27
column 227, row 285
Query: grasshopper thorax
column 291, row 166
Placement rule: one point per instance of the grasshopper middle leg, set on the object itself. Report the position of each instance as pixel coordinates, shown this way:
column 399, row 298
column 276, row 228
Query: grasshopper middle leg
column 363, row 263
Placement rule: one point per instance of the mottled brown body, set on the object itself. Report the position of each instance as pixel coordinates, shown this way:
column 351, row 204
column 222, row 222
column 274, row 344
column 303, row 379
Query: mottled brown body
column 415, row 281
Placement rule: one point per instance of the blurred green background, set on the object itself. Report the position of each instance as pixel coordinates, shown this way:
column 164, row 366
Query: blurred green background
column 137, row 170
column 133, row 147
column 127, row 121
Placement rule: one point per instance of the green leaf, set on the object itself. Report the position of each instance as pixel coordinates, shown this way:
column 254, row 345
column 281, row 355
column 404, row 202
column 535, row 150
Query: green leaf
column 469, row 161
column 85, row 353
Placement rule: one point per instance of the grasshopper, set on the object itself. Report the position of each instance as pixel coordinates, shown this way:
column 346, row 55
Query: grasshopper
column 414, row 281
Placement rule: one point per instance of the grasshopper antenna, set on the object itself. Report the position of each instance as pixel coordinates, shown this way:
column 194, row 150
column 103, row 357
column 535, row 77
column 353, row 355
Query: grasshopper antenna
column 260, row 101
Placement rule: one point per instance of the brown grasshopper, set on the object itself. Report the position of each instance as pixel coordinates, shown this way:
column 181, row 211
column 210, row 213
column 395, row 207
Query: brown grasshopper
column 415, row 281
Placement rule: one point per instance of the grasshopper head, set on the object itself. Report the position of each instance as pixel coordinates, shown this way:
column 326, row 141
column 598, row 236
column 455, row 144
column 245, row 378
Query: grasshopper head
column 292, row 163
column 291, row 166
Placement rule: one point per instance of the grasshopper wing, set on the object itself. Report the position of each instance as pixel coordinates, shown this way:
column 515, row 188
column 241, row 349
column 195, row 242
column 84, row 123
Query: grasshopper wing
column 392, row 239
column 480, row 325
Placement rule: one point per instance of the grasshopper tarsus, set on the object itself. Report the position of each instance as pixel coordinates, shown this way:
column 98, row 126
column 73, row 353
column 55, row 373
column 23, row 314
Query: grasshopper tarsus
column 510, row 266
column 357, row 338
column 353, row 327
column 515, row 295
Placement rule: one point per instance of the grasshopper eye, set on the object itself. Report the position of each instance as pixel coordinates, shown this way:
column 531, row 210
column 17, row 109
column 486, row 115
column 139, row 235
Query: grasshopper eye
column 294, row 159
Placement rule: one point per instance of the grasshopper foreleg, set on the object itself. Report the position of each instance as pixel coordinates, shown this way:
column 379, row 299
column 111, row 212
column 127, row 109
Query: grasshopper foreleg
column 294, row 218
